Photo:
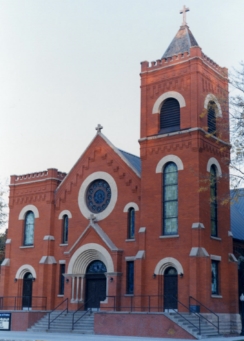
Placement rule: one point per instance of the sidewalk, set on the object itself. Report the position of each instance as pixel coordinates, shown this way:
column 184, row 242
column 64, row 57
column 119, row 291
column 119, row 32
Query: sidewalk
column 28, row 336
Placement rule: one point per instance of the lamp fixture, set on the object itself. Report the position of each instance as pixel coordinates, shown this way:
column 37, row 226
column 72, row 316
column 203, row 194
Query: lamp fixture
column 15, row 280
column 67, row 280
column 181, row 275
column 154, row 276
column 111, row 279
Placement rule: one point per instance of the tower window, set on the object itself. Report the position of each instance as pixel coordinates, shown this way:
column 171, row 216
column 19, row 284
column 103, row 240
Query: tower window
column 170, row 116
column 29, row 228
column 131, row 223
column 170, row 199
column 212, row 118
column 213, row 201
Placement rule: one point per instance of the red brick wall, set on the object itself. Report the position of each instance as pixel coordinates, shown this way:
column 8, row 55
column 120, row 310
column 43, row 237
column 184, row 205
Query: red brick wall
column 147, row 325
column 21, row 321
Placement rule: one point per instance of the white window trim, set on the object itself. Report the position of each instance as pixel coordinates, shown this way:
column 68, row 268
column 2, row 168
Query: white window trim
column 170, row 94
column 131, row 205
column 82, row 195
column 211, row 97
column 27, row 208
column 213, row 161
column 169, row 158
column 65, row 212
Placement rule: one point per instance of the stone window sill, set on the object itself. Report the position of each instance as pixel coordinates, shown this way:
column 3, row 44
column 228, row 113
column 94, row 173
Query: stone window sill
column 130, row 240
column 216, row 238
column 169, row 236
column 63, row 244
column 216, row 296
column 60, row 295
column 129, row 295
column 26, row 246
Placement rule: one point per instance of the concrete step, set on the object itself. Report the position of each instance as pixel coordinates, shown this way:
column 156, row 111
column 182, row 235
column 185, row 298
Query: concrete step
column 63, row 323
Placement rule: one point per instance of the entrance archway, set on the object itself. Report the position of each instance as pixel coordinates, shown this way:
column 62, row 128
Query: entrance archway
column 27, row 291
column 95, row 284
column 170, row 288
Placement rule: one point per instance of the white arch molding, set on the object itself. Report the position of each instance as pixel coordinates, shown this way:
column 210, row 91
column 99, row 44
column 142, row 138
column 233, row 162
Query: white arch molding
column 169, row 158
column 211, row 97
column 164, row 263
column 82, row 195
column 27, row 208
column 85, row 255
column 213, row 161
column 129, row 205
column 23, row 270
column 61, row 214
column 170, row 94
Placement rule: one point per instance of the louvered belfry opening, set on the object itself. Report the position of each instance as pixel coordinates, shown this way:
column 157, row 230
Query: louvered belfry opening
column 212, row 117
column 170, row 116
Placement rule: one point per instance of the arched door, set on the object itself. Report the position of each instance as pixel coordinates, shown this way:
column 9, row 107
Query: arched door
column 170, row 288
column 95, row 284
column 27, row 290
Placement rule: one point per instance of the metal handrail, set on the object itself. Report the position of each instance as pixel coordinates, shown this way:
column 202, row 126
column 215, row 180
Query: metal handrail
column 16, row 304
column 86, row 312
column 177, row 312
column 49, row 316
column 212, row 312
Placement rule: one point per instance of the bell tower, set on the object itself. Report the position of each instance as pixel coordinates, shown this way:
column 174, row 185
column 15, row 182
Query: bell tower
column 184, row 148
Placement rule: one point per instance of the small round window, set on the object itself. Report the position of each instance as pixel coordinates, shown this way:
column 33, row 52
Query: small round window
column 98, row 196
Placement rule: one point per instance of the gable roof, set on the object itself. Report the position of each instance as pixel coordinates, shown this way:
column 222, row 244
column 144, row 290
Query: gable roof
column 181, row 43
column 237, row 213
column 134, row 160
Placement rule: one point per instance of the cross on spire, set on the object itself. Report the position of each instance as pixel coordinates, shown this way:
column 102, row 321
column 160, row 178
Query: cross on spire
column 183, row 11
column 99, row 128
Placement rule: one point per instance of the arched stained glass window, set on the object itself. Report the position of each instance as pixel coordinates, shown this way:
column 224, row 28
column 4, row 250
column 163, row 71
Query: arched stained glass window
column 29, row 228
column 65, row 229
column 212, row 117
column 213, row 201
column 170, row 115
column 170, row 199
column 131, row 223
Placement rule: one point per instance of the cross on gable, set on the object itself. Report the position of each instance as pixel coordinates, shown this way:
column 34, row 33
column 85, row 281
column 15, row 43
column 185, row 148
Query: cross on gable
column 99, row 128
column 183, row 11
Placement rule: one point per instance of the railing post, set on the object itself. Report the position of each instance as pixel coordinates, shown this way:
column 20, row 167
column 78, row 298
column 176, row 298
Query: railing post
column 49, row 321
column 115, row 303
column 15, row 303
column 131, row 303
column 149, row 303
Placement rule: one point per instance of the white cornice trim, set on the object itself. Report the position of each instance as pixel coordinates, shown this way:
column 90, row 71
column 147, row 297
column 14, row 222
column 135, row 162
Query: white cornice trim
column 183, row 62
column 181, row 132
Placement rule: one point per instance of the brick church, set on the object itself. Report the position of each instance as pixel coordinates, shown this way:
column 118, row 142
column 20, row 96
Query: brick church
column 123, row 231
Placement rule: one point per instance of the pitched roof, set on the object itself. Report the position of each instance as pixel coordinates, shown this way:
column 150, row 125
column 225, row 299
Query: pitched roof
column 134, row 160
column 237, row 214
column 181, row 43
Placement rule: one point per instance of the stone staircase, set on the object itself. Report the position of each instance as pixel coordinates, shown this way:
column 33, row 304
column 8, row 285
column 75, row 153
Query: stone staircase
column 190, row 323
column 63, row 323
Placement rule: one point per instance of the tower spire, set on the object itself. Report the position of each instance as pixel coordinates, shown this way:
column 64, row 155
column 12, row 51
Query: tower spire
column 183, row 11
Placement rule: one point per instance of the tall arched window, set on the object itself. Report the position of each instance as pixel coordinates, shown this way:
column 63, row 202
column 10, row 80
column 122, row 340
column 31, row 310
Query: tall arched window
column 131, row 223
column 170, row 116
column 29, row 228
column 213, row 201
column 212, row 117
column 65, row 229
column 170, row 199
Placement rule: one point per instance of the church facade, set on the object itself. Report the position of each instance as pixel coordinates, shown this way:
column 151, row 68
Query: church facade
column 120, row 230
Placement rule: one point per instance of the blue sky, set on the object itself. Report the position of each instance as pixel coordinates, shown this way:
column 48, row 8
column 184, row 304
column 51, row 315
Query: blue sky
column 67, row 65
